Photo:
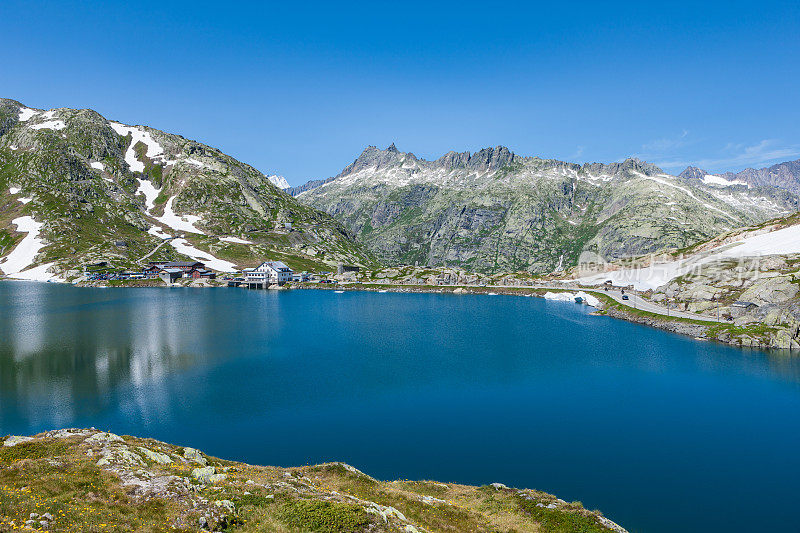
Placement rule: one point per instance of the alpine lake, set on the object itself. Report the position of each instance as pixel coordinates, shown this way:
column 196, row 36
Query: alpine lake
column 661, row 432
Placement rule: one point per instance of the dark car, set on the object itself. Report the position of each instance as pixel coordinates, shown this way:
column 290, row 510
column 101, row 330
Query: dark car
column 624, row 296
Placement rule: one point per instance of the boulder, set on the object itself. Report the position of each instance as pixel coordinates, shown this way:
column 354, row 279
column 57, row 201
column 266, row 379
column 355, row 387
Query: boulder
column 771, row 291
column 194, row 456
column 103, row 437
column 16, row 439
column 203, row 475
column 156, row 457
column 227, row 505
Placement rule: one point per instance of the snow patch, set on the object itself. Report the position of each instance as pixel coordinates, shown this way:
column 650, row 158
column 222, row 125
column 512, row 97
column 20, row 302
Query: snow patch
column 183, row 247
column 570, row 297
column 195, row 162
column 236, row 240
column 13, row 190
column 278, row 181
column 158, row 232
column 25, row 113
column 24, row 200
column 711, row 179
column 779, row 242
column 98, row 165
column 178, row 222
column 50, row 125
column 138, row 135
column 24, row 254
column 13, row 147
column 150, row 192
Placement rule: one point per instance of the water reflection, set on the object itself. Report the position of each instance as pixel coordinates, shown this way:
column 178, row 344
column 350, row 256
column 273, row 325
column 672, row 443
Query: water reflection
column 63, row 350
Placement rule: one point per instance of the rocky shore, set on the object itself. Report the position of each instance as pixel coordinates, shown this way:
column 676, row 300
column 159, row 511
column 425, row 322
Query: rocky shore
column 90, row 480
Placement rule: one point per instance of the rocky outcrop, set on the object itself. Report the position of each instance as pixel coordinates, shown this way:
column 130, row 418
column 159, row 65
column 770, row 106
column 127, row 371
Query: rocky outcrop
column 76, row 479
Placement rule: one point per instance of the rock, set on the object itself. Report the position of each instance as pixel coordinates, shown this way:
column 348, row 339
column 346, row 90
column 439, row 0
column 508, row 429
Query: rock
column 154, row 456
column 771, row 291
column 203, row 474
column 48, row 517
column 217, row 478
column 16, row 439
column 100, row 438
column 498, row 486
column 120, row 454
column 225, row 504
column 194, row 456
column 203, row 522
column 33, row 516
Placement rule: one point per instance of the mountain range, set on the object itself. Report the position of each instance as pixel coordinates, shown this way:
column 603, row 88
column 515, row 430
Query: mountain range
column 784, row 176
column 77, row 188
column 494, row 211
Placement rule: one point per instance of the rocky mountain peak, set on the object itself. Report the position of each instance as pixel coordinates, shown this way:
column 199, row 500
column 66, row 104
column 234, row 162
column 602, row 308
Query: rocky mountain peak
column 693, row 173
column 491, row 158
column 482, row 160
column 628, row 166
column 372, row 156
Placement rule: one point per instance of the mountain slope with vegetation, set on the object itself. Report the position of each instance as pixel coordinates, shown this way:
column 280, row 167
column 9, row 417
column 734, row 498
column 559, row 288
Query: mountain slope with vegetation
column 749, row 278
column 83, row 189
column 88, row 480
column 494, row 211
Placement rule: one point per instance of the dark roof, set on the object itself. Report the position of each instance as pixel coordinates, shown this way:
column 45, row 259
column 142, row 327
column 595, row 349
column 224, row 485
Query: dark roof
column 179, row 264
column 171, row 270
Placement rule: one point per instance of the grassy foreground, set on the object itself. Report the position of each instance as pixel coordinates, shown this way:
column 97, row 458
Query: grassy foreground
column 87, row 480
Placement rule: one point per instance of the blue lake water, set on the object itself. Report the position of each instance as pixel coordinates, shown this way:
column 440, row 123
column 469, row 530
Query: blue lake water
column 660, row 432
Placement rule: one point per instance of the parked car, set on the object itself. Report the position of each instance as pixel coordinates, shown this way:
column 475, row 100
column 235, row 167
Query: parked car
column 624, row 296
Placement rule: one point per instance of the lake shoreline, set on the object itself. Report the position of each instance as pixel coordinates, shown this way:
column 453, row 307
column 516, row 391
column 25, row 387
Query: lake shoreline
column 608, row 307
column 697, row 329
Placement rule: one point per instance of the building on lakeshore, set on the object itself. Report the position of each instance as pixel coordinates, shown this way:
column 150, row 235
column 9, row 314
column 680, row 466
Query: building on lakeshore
column 185, row 266
column 301, row 276
column 170, row 275
column 202, row 273
column 269, row 272
column 154, row 269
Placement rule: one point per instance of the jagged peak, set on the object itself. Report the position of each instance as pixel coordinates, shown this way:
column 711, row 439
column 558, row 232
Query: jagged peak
column 693, row 173
column 631, row 164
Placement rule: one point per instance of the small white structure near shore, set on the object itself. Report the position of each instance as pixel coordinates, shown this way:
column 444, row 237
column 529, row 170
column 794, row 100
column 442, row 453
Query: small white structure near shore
column 570, row 297
column 270, row 272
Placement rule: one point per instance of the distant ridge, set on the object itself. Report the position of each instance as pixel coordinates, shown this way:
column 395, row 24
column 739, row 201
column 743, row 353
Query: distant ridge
column 494, row 210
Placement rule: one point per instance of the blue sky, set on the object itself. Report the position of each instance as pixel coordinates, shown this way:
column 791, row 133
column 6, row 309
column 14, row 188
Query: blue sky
column 301, row 88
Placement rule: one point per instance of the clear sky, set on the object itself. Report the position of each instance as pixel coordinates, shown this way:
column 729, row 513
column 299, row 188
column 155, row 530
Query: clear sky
column 300, row 89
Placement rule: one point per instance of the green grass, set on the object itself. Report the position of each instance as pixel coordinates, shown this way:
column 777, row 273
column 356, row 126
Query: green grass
column 32, row 450
column 557, row 521
column 324, row 516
